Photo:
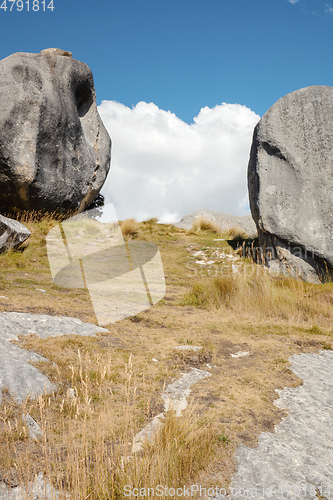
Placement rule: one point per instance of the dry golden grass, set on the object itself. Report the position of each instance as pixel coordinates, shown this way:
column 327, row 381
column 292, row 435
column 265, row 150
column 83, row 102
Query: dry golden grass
column 117, row 385
column 236, row 233
column 86, row 445
column 252, row 292
column 130, row 228
column 182, row 448
column 206, row 225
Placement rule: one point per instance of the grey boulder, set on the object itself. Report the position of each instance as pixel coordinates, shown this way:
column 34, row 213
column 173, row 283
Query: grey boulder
column 290, row 180
column 12, row 233
column 223, row 220
column 54, row 149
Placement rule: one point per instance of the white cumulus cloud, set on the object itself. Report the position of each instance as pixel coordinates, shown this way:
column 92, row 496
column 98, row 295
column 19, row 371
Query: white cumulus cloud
column 293, row 1
column 164, row 167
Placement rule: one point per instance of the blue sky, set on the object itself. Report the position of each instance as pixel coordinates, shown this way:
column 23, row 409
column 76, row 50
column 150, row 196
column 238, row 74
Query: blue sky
column 184, row 56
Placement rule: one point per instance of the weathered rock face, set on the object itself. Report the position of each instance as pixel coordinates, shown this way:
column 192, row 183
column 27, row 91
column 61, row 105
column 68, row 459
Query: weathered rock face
column 290, row 179
column 54, row 148
column 12, row 233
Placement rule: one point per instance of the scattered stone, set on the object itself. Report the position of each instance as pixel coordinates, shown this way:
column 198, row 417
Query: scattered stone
column 218, row 256
column 12, row 232
column 291, row 184
column 155, row 360
column 240, row 354
column 54, row 148
column 223, row 220
column 225, row 256
column 71, row 393
column 35, row 432
column 200, row 253
column 194, row 348
column 229, row 256
column 12, row 478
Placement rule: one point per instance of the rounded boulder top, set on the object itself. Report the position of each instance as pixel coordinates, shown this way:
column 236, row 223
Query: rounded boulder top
column 56, row 52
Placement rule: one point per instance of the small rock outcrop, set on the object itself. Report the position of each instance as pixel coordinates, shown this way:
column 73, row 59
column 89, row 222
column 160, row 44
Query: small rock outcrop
column 12, row 233
column 223, row 220
column 16, row 373
column 291, row 184
column 54, row 149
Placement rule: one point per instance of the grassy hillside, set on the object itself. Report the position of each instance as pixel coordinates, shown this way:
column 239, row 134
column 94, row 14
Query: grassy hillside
column 215, row 299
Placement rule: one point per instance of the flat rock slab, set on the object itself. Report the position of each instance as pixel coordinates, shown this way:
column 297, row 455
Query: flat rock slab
column 296, row 461
column 194, row 348
column 16, row 372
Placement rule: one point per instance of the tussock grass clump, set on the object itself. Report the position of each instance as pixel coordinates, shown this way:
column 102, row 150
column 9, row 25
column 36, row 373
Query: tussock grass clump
column 105, row 469
column 215, row 292
column 183, row 446
column 253, row 292
column 150, row 226
column 236, row 233
column 205, row 225
column 130, row 228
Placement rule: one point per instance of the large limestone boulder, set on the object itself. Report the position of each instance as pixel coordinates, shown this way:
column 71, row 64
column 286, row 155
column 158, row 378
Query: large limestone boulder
column 54, row 148
column 290, row 179
column 223, row 220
